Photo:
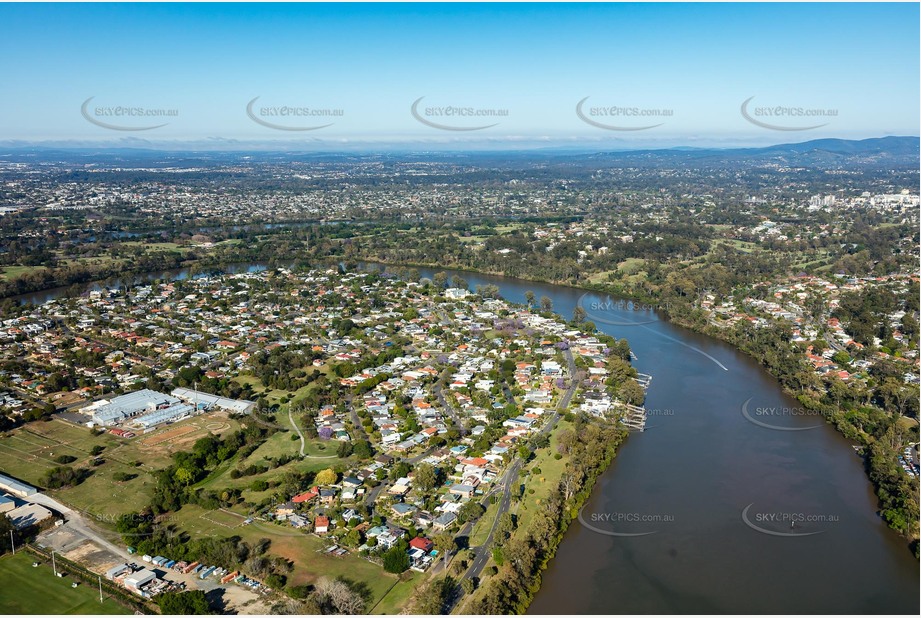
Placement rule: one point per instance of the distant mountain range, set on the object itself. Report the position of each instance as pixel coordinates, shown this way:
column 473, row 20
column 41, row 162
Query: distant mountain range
column 879, row 151
column 829, row 153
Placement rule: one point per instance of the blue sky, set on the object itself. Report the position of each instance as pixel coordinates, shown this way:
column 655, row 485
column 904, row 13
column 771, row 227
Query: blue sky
column 690, row 65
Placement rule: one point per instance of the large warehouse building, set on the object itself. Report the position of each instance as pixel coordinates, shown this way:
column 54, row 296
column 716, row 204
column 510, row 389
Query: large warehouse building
column 146, row 409
column 207, row 401
column 16, row 488
column 124, row 407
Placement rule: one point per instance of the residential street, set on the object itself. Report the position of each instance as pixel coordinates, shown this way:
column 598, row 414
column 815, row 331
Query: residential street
column 483, row 553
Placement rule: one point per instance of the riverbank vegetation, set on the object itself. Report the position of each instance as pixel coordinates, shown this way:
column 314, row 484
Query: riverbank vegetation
column 525, row 553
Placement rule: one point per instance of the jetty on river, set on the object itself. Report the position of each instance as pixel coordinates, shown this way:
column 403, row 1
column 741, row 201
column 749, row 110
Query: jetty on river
column 632, row 416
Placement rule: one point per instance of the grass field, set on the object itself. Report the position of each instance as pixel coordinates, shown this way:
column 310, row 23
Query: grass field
column 28, row 590
column 154, row 246
column 550, row 472
column 323, row 455
column 600, row 277
column 278, row 444
column 301, row 548
column 29, row 451
column 396, row 598
column 11, row 272
column 631, row 266
column 482, row 527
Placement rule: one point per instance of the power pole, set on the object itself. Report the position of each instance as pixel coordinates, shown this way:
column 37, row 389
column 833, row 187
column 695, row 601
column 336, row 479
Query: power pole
column 53, row 564
column 100, row 587
column 12, row 543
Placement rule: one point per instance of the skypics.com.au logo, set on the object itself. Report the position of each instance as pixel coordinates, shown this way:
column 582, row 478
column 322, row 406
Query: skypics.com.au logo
column 124, row 117
column 618, row 523
column 625, row 116
column 135, row 524
column 779, row 117
column 606, row 311
column 284, row 117
column 455, row 118
column 768, row 416
column 787, row 523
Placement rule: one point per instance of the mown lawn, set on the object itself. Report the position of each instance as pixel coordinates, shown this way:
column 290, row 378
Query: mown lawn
column 323, row 456
column 542, row 484
column 484, row 525
column 395, row 600
column 35, row 590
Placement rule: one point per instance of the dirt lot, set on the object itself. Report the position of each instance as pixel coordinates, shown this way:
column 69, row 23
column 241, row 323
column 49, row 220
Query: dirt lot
column 74, row 547
column 160, row 444
column 170, row 434
column 237, row 599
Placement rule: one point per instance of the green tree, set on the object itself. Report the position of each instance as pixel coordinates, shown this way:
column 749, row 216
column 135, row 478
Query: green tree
column 183, row 603
column 396, row 560
column 184, row 475
column 425, row 477
column 6, row 526
column 470, row 511
column 363, row 449
column 444, row 543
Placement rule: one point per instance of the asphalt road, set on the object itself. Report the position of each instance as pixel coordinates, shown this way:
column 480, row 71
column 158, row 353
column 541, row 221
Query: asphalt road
column 482, row 553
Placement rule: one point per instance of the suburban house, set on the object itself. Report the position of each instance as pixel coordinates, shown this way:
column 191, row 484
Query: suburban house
column 402, row 509
column 422, row 543
column 444, row 521
column 307, row 496
column 463, row 490
column 283, row 511
column 298, row 521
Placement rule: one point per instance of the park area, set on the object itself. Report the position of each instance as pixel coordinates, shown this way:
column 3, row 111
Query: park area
column 35, row 590
column 320, row 454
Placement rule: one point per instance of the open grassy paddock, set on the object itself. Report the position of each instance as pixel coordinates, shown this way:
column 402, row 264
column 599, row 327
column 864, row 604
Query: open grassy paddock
column 12, row 272
column 396, row 598
column 35, row 590
column 551, row 470
column 29, row 451
column 305, row 550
